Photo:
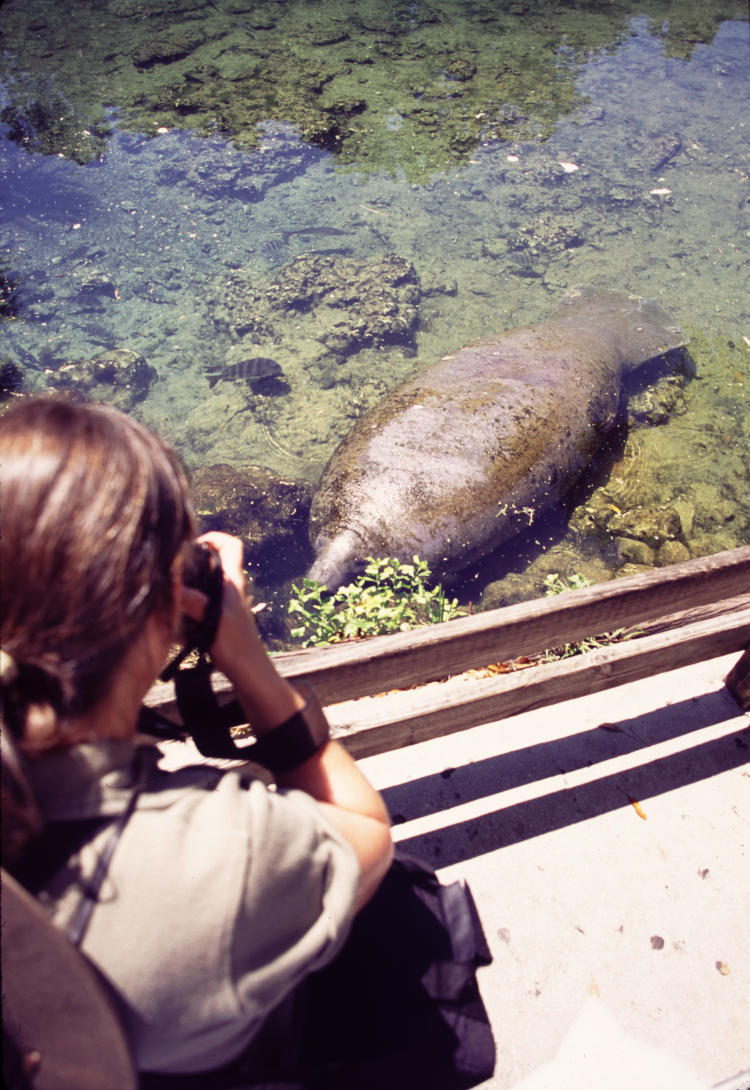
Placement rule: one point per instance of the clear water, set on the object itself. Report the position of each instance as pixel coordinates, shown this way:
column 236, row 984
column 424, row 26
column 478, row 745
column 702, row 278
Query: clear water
column 173, row 174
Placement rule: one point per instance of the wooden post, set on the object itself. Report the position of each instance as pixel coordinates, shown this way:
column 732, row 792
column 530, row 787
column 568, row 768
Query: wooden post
column 738, row 681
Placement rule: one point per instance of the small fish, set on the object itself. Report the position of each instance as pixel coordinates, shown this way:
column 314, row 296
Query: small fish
column 272, row 249
column 286, row 235
column 249, row 370
column 523, row 263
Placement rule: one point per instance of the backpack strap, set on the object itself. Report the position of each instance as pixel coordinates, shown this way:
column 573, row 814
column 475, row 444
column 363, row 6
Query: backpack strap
column 62, row 839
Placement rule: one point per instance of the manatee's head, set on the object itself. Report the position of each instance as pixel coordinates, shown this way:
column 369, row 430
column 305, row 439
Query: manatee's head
column 338, row 560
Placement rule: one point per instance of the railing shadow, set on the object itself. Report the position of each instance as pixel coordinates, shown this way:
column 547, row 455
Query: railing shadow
column 521, row 821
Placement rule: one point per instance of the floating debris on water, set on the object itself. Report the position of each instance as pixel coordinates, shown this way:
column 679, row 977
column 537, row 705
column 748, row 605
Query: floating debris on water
column 276, row 444
column 249, row 370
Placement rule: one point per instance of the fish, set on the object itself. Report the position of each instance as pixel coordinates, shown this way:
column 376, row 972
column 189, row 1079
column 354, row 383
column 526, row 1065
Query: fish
column 286, row 235
column 256, row 367
column 469, row 452
column 272, row 249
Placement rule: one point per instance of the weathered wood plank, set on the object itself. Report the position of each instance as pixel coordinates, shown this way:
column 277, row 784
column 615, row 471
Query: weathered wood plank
column 691, row 616
column 425, row 654
column 370, row 726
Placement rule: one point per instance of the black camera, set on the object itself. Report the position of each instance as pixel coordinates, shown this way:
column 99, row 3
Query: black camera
column 202, row 571
column 201, row 568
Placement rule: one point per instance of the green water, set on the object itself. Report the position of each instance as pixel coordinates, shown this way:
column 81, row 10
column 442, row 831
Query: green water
column 198, row 183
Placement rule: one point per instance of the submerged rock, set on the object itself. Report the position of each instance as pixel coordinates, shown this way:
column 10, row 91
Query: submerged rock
column 334, row 306
column 371, row 302
column 268, row 512
column 121, row 378
column 652, row 525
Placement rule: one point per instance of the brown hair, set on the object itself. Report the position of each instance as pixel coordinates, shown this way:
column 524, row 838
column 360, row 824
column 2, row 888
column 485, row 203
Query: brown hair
column 94, row 511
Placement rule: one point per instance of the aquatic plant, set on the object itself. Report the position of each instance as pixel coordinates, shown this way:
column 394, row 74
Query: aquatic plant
column 558, row 584
column 389, row 596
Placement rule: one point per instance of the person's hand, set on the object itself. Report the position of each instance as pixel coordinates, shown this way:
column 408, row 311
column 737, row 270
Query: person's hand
column 238, row 650
column 237, row 635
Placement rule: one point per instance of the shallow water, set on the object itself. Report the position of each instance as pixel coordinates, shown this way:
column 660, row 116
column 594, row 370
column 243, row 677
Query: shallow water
column 176, row 175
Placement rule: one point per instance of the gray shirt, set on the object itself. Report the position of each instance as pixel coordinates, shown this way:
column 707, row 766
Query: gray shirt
column 221, row 896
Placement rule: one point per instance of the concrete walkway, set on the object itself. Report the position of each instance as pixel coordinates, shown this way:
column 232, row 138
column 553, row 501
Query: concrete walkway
column 606, row 843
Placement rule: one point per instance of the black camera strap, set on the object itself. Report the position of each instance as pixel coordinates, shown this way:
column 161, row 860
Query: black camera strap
column 203, row 718
column 207, row 721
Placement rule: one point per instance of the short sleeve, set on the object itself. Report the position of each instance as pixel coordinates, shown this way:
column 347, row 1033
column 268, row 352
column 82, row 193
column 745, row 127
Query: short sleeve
column 298, row 898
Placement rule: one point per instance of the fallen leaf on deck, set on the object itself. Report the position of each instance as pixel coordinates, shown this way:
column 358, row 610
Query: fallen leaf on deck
column 637, row 807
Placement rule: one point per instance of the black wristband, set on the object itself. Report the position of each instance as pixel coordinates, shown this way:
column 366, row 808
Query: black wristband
column 294, row 741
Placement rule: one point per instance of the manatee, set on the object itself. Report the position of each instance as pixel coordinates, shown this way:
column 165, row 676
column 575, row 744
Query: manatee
column 467, row 453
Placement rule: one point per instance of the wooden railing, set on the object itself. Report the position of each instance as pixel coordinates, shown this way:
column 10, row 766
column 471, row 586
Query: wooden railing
column 392, row 691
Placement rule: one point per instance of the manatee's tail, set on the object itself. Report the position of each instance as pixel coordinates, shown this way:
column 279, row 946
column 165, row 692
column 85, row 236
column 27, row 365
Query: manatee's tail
column 338, row 559
column 641, row 329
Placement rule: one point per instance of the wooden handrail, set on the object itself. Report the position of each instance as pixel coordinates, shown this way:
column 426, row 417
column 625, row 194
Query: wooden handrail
column 711, row 592
column 370, row 726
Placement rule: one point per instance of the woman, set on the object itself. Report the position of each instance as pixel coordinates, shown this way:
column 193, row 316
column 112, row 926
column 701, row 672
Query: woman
column 218, row 900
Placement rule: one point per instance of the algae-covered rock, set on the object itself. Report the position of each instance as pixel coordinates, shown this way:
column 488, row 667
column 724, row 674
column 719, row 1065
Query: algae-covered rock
column 563, row 562
column 713, row 510
column 671, row 552
column 656, row 404
column 121, row 378
column 654, row 525
column 702, row 544
column 513, row 588
column 168, row 46
column 324, row 308
column 42, row 120
column 268, row 512
column 686, row 511
column 632, row 551
column 370, row 302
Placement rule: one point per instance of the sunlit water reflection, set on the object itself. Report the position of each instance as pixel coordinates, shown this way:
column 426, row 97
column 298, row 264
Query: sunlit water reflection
column 194, row 253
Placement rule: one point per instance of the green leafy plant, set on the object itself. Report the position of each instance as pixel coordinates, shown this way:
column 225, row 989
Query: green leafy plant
column 388, row 597
column 558, row 584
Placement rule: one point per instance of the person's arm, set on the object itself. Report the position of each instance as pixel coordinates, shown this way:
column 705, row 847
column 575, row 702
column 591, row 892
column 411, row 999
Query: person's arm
column 330, row 776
